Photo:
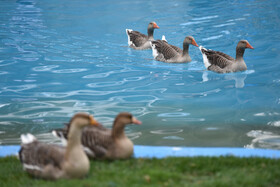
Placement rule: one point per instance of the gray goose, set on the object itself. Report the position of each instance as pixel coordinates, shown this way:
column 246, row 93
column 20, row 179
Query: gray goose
column 222, row 63
column 139, row 41
column 103, row 143
column 162, row 51
column 54, row 162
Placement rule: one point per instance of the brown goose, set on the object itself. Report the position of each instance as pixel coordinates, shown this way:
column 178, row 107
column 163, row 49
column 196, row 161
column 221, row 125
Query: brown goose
column 139, row 41
column 162, row 51
column 222, row 63
column 53, row 161
column 100, row 142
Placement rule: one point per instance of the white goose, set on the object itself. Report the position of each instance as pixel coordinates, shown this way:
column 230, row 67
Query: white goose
column 53, row 161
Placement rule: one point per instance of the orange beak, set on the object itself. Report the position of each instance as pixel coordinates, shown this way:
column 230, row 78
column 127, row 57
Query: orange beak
column 93, row 121
column 194, row 43
column 136, row 121
column 249, row 46
column 156, row 26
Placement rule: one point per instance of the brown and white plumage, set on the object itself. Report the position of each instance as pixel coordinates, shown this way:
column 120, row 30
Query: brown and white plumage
column 100, row 142
column 222, row 63
column 139, row 41
column 162, row 51
column 54, row 162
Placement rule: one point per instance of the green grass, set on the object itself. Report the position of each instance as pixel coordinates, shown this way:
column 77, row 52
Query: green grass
column 189, row 171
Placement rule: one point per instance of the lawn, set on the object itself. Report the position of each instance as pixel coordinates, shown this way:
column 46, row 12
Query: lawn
column 172, row 171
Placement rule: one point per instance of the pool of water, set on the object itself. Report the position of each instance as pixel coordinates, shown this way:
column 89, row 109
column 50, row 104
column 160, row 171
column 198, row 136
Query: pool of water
column 62, row 57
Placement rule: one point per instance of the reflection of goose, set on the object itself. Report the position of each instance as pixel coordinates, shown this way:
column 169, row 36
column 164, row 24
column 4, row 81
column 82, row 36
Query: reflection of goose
column 162, row 51
column 239, row 78
column 222, row 63
column 100, row 142
column 54, row 162
column 139, row 41
column 263, row 139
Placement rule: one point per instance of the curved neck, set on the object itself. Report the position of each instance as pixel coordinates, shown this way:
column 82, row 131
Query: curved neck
column 239, row 53
column 74, row 141
column 150, row 33
column 118, row 129
column 185, row 49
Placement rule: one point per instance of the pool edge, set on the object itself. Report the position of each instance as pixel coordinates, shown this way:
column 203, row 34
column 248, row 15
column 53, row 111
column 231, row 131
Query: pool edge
column 144, row 151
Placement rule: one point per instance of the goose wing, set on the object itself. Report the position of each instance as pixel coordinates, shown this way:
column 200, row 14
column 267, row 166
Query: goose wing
column 176, row 48
column 35, row 156
column 164, row 49
column 137, row 38
column 217, row 58
column 98, row 140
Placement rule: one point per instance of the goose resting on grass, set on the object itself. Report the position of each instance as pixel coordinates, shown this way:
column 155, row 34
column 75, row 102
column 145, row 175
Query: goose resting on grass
column 100, row 142
column 139, row 41
column 222, row 63
column 53, row 161
column 162, row 51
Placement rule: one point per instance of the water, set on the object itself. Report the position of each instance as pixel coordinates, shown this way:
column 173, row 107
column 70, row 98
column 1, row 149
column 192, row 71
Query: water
column 61, row 57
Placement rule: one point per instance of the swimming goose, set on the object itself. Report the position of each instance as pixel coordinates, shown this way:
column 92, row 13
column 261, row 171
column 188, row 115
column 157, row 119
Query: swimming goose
column 139, row 41
column 162, row 51
column 53, row 161
column 222, row 63
column 100, row 142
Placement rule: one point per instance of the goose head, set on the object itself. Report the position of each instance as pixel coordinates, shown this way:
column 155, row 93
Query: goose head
column 243, row 44
column 126, row 118
column 153, row 26
column 190, row 40
column 81, row 120
column 121, row 121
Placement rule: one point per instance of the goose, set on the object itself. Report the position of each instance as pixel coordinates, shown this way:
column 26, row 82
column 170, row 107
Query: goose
column 53, row 161
column 139, row 41
column 102, row 143
column 222, row 63
column 162, row 51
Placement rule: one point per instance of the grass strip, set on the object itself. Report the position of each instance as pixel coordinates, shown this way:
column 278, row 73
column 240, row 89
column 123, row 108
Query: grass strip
column 171, row 171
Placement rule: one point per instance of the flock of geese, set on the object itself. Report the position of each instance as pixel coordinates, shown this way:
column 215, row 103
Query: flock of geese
column 163, row 51
column 83, row 137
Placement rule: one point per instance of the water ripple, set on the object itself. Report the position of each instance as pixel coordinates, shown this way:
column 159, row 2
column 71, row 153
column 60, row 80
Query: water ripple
column 77, row 70
column 167, row 131
column 19, row 88
column 45, row 68
column 225, row 24
column 264, row 139
column 173, row 138
column 174, row 115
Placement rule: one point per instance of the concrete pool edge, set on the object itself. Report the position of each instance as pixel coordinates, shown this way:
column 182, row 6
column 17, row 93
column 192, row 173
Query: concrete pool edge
column 143, row 151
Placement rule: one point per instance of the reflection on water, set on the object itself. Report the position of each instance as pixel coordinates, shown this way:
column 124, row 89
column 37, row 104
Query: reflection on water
column 264, row 139
column 239, row 78
column 58, row 58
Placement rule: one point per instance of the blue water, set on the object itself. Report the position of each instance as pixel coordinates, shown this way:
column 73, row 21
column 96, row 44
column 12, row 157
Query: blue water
column 62, row 57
